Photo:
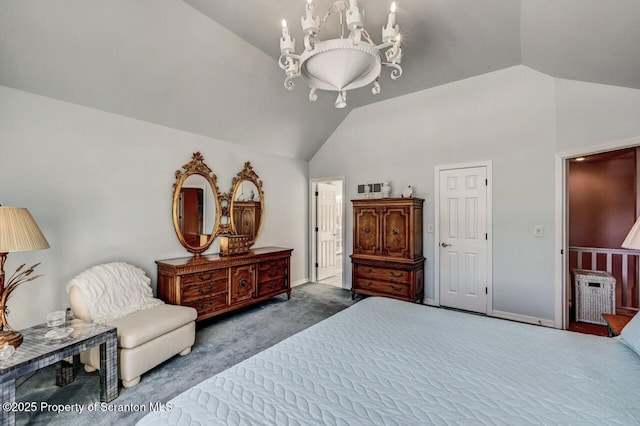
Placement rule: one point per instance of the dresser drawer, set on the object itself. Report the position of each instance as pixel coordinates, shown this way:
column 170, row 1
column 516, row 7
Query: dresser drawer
column 393, row 289
column 199, row 290
column 268, row 273
column 383, row 274
column 272, row 286
column 200, row 277
column 207, row 305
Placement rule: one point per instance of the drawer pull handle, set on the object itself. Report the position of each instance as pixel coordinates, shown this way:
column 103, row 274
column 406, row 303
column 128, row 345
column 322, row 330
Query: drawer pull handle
column 205, row 277
column 243, row 282
column 398, row 275
column 204, row 290
column 395, row 231
column 396, row 287
column 367, row 230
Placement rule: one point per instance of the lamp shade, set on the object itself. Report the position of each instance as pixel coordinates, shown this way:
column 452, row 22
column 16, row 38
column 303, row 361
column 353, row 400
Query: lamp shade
column 19, row 232
column 633, row 237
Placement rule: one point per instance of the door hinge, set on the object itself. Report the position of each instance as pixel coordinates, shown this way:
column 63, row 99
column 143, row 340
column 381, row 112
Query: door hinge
column 562, row 251
column 486, row 182
column 486, row 290
column 486, row 236
column 317, row 264
column 317, row 193
column 316, row 229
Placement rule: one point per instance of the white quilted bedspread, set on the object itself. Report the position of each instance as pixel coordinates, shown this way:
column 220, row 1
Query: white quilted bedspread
column 386, row 362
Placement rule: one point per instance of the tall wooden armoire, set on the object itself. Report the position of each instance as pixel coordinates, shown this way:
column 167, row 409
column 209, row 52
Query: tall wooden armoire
column 387, row 257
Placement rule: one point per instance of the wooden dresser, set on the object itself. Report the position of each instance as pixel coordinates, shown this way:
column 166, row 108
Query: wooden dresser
column 387, row 257
column 215, row 284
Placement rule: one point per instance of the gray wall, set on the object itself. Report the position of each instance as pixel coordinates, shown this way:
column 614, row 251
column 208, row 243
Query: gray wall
column 508, row 117
column 100, row 187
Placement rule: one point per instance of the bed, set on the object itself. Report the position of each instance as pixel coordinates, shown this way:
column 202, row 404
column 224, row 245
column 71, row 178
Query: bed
column 387, row 362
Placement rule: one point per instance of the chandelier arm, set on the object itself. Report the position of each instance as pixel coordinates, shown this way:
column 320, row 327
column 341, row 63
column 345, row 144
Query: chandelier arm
column 383, row 46
column 397, row 70
column 282, row 61
column 288, row 82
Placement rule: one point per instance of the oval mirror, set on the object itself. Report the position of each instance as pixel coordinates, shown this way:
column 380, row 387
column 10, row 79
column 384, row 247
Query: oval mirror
column 247, row 203
column 196, row 205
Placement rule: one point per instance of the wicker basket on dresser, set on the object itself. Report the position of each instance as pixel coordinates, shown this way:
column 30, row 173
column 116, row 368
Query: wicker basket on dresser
column 214, row 284
column 387, row 257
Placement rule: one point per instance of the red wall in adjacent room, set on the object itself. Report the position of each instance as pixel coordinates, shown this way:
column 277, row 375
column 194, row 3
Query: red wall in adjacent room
column 602, row 199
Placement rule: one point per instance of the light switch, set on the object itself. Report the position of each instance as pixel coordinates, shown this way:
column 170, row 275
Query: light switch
column 430, row 227
column 538, row 231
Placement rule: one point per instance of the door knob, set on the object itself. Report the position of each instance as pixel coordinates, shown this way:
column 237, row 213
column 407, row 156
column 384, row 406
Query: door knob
column 445, row 245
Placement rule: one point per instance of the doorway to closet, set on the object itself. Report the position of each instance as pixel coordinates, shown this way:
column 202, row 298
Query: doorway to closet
column 602, row 206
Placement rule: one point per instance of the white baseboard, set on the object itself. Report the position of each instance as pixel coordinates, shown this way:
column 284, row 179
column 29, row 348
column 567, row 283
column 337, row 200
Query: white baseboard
column 523, row 318
column 299, row 282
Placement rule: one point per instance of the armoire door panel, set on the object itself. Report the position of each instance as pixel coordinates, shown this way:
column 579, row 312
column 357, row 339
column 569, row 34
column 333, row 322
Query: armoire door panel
column 367, row 234
column 395, row 225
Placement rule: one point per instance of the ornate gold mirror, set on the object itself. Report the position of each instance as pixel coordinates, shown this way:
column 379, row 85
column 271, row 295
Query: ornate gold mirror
column 196, row 205
column 247, row 203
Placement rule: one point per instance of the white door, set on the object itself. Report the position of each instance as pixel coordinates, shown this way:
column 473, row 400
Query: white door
column 463, row 238
column 326, row 237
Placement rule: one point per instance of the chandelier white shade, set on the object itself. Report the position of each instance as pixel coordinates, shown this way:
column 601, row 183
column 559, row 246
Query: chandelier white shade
column 340, row 64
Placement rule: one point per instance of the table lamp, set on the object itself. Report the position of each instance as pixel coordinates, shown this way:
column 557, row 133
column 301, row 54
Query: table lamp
column 633, row 237
column 18, row 232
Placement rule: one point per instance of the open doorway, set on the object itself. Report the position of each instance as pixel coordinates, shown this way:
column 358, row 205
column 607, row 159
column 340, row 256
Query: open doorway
column 600, row 202
column 327, row 236
column 602, row 199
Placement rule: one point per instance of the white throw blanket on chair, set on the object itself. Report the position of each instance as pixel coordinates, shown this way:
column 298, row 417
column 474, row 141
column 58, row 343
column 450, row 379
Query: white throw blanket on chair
column 114, row 290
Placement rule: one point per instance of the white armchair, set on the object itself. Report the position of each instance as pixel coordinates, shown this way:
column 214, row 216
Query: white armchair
column 149, row 331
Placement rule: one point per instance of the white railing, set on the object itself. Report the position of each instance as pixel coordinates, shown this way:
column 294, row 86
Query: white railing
column 621, row 273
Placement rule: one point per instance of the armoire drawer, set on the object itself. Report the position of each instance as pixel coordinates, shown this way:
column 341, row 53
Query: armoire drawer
column 383, row 274
column 394, row 289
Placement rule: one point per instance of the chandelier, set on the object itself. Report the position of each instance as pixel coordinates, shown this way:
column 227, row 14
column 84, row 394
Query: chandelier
column 344, row 63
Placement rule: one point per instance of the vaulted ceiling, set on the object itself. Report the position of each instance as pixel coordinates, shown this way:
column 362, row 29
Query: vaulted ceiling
column 210, row 66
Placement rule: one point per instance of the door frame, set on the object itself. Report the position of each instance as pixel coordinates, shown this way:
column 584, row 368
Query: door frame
column 436, row 231
column 312, row 226
column 561, row 228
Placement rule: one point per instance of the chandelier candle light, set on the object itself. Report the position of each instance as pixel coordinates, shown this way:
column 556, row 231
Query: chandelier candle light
column 344, row 63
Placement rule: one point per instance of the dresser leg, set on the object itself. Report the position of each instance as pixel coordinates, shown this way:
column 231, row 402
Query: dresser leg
column 353, row 295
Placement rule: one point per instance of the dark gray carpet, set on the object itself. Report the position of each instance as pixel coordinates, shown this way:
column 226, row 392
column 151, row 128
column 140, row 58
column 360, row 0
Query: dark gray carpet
column 220, row 343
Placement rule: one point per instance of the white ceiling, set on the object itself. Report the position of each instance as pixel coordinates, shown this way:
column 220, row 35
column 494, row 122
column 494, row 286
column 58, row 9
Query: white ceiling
column 210, row 66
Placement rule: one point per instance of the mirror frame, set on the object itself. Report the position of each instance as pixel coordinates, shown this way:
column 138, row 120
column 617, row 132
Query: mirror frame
column 246, row 174
column 196, row 166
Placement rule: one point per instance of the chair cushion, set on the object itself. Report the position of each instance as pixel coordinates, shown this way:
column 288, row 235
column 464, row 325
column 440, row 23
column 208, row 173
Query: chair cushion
column 142, row 326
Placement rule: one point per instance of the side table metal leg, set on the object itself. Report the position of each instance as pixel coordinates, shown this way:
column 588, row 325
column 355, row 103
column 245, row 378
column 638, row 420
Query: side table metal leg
column 109, row 369
column 8, row 395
